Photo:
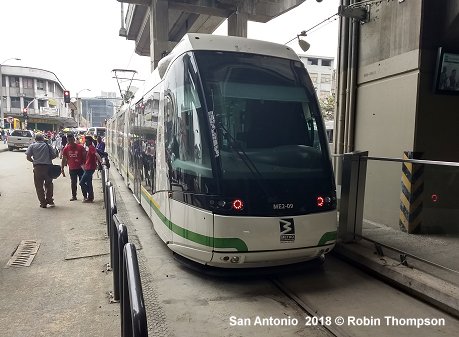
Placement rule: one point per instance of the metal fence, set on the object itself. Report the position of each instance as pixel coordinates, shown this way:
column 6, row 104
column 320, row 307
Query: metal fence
column 127, row 286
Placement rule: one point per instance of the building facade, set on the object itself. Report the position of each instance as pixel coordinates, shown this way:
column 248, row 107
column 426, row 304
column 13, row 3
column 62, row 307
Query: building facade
column 96, row 111
column 35, row 97
column 321, row 69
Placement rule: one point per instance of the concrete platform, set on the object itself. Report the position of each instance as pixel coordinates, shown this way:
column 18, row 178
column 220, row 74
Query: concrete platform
column 64, row 291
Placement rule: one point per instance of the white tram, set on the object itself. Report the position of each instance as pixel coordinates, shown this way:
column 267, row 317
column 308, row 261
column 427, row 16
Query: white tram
column 226, row 151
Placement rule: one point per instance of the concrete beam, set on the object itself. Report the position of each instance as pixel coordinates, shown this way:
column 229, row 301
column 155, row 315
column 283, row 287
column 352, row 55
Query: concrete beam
column 157, row 25
column 205, row 7
column 143, row 37
column 134, row 18
column 136, row 2
column 182, row 25
column 206, row 24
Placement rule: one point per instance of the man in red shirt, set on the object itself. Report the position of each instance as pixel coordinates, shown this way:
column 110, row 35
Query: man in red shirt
column 90, row 166
column 73, row 154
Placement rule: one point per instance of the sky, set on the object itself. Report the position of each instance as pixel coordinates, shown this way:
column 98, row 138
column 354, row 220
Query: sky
column 78, row 39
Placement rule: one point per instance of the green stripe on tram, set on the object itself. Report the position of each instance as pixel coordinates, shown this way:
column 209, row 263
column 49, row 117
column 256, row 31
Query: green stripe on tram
column 329, row 236
column 204, row 240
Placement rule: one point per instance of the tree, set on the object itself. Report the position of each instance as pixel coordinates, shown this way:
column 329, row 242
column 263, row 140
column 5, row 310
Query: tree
column 327, row 105
column 128, row 95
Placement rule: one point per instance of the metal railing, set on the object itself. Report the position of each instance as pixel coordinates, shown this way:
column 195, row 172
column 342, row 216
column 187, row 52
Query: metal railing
column 118, row 240
column 127, row 287
column 133, row 314
column 353, row 180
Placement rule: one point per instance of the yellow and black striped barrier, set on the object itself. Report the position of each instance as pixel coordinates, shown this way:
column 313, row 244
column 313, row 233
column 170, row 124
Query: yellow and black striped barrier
column 411, row 194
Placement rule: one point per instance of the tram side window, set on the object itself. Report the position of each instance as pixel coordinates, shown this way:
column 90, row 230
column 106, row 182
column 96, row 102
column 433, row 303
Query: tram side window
column 186, row 145
column 120, row 141
column 133, row 139
column 150, row 123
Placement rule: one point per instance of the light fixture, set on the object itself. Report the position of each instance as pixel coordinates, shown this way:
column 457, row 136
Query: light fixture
column 304, row 45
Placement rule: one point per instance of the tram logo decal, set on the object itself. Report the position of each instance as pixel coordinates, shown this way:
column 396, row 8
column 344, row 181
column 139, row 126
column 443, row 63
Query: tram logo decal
column 213, row 131
column 287, row 230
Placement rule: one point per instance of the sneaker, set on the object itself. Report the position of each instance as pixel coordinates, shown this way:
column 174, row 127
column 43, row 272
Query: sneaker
column 43, row 206
column 51, row 204
column 73, row 198
column 87, row 200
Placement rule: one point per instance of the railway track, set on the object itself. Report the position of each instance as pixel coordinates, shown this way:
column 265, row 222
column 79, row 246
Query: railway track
column 317, row 318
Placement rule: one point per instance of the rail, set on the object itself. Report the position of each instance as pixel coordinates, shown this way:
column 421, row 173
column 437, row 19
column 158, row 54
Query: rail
column 119, row 239
column 401, row 160
column 127, row 286
column 111, row 209
column 133, row 314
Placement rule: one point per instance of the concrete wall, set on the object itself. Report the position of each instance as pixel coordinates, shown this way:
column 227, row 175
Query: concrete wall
column 387, row 88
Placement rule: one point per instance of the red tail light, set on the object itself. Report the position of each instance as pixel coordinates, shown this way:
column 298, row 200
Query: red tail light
column 320, row 201
column 238, row 204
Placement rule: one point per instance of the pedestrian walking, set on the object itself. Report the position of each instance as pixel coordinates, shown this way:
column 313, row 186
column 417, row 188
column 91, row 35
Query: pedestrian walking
column 73, row 155
column 90, row 166
column 100, row 147
column 64, row 142
column 41, row 155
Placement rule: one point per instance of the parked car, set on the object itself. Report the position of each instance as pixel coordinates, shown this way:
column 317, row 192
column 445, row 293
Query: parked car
column 19, row 139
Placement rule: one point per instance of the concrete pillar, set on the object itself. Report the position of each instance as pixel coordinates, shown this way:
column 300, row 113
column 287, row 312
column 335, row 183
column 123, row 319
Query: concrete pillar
column 7, row 94
column 237, row 24
column 159, row 31
column 21, row 90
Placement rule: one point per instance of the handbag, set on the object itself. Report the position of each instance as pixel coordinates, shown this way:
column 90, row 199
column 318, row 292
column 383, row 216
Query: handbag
column 54, row 171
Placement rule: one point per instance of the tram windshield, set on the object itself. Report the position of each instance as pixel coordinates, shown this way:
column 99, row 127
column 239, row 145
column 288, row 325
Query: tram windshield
column 266, row 118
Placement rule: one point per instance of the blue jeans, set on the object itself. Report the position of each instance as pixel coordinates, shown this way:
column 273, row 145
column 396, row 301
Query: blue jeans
column 86, row 183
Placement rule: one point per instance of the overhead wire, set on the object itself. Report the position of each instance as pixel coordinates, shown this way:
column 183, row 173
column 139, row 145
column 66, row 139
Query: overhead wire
column 304, row 32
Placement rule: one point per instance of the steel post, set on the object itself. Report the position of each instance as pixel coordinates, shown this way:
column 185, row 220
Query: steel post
column 352, row 195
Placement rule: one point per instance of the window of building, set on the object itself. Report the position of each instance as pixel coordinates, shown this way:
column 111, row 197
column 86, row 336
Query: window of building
column 313, row 61
column 16, row 102
column 3, row 81
column 326, row 63
column 40, row 84
column 41, row 103
column 325, row 78
column 14, row 82
column 27, row 83
column 313, row 77
column 50, row 86
column 27, row 100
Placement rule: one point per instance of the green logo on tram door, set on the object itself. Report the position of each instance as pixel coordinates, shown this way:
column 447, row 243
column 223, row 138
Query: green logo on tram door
column 287, row 230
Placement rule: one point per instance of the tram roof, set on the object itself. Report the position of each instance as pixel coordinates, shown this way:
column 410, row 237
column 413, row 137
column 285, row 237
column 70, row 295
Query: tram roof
column 196, row 41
